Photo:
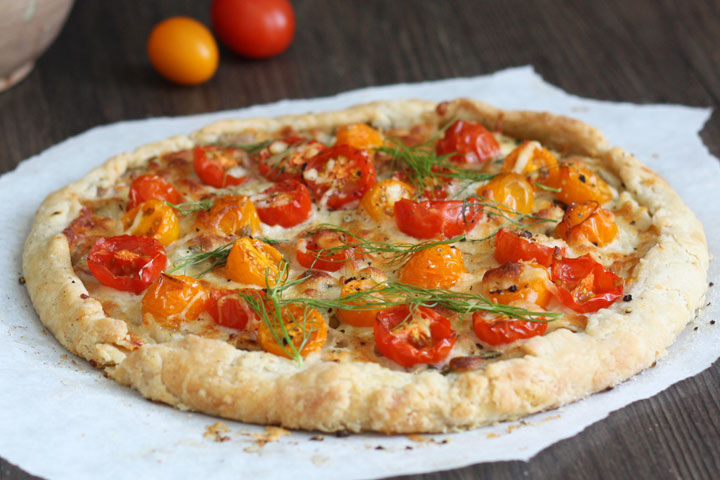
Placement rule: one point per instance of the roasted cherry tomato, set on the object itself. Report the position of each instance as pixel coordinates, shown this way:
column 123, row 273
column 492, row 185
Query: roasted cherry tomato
column 253, row 262
column 410, row 337
column 366, row 279
column 127, row 262
column 174, row 299
column 517, row 282
column 584, row 285
column 153, row 219
column 578, row 184
column 359, row 135
column 435, row 267
column 285, row 158
column 510, row 190
column 533, row 161
column 286, row 204
column 229, row 309
column 254, row 28
column 470, row 142
column 230, row 215
column 500, row 330
column 312, row 249
column 339, row 175
column 379, row 201
column 520, row 246
column 304, row 325
column 183, row 50
column 152, row 187
column 436, row 218
column 587, row 222
column 219, row 166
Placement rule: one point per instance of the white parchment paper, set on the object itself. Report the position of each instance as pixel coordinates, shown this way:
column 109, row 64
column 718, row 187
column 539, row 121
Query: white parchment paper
column 62, row 419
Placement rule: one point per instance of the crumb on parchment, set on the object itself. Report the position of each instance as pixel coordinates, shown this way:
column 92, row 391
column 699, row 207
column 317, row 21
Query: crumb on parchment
column 216, row 430
column 271, row 434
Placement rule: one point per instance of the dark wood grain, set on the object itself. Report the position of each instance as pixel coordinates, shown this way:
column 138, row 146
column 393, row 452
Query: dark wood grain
column 627, row 50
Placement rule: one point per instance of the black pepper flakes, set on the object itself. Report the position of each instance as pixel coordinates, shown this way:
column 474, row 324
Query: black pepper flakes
column 712, row 322
column 21, row 280
column 582, row 178
column 512, row 288
column 627, row 298
column 342, row 433
column 379, row 447
column 710, row 284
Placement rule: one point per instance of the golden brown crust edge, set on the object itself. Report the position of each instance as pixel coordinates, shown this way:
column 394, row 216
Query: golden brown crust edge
column 213, row 377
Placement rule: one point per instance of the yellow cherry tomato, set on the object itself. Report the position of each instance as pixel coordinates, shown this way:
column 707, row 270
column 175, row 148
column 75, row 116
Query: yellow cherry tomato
column 532, row 160
column 379, row 201
column 359, row 135
column 514, row 282
column 230, row 215
column 511, row 190
column 183, row 50
column 436, row 267
column 251, row 260
column 153, row 219
column 174, row 299
column 304, row 325
column 579, row 184
column 366, row 279
column 587, row 222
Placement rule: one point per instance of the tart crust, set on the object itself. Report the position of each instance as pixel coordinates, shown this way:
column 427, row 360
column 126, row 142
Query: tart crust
column 211, row 376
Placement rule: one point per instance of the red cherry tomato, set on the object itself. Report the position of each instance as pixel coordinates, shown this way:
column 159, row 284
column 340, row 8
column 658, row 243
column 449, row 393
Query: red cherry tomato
column 584, row 285
column 436, row 218
column 229, row 309
column 254, row 28
column 286, row 204
column 493, row 331
column 342, row 172
column 516, row 246
column 213, row 163
column 310, row 248
column 285, row 159
column 425, row 336
column 152, row 187
column 127, row 262
column 470, row 142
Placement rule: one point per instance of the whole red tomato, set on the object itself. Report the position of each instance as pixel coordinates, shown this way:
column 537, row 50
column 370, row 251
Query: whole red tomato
column 254, row 28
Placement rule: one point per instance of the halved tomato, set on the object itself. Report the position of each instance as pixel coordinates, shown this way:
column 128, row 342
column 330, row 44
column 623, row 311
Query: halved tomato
column 214, row 165
column 340, row 175
column 229, row 309
column 584, row 285
column 152, row 187
column 127, row 262
column 285, row 158
column 440, row 266
column 500, row 329
column 521, row 246
column 305, row 327
column 436, row 218
column 587, row 222
column 312, row 249
column 286, row 203
column 253, row 262
column 412, row 336
column 470, row 143
column 174, row 299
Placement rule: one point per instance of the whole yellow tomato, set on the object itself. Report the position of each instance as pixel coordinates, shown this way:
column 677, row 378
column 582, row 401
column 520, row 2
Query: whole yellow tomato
column 183, row 50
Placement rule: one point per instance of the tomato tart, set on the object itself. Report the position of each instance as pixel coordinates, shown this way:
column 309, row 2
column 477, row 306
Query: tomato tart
column 400, row 266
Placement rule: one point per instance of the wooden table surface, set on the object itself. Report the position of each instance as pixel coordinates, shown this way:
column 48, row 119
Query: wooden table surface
column 626, row 50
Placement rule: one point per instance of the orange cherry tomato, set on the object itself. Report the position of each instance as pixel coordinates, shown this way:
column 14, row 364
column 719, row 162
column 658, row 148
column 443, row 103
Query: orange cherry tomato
column 153, row 219
column 359, row 135
column 174, row 299
column 286, row 203
column 183, row 50
column 512, row 191
column 366, row 279
column 436, row 218
column 304, row 325
column 232, row 215
column 312, row 249
column 440, row 266
column 214, row 165
column 514, row 282
column 521, row 246
column 533, row 161
column 285, row 158
column 229, row 309
column 149, row 187
column 469, row 142
column 500, row 329
column 340, row 175
column 127, row 262
column 253, row 262
column 578, row 184
column 584, row 285
column 254, row 28
column 380, row 200
column 587, row 222
column 410, row 337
